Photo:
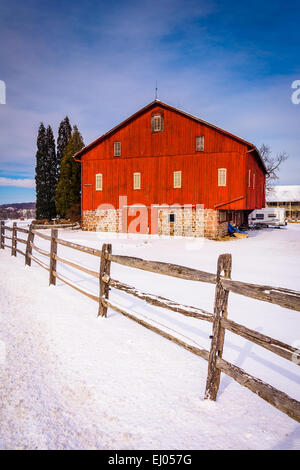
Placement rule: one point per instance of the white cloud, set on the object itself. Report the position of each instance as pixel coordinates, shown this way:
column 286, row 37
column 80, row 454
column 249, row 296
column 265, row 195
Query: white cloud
column 21, row 183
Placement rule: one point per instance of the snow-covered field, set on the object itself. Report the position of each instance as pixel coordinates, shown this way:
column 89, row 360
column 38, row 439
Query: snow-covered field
column 70, row 380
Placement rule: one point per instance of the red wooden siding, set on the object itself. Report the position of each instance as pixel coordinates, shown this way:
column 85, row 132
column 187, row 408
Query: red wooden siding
column 255, row 197
column 156, row 155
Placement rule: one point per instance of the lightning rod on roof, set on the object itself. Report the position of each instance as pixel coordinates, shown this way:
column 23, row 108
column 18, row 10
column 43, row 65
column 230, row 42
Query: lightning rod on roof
column 156, row 91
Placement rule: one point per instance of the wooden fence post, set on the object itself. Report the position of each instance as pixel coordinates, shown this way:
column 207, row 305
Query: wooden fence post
column 53, row 252
column 104, row 286
column 13, row 240
column 28, row 252
column 218, row 334
column 2, row 234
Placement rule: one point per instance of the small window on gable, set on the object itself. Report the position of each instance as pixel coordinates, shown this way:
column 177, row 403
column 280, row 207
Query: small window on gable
column 249, row 179
column 200, row 143
column 157, row 123
column 253, row 180
column 177, row 179
column 117, row 149
column 171, row 218
column 136, row 180
column 99, row 182
column 222, row 176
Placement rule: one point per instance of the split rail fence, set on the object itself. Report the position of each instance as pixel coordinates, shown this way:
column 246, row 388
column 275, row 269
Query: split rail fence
column 219, row 318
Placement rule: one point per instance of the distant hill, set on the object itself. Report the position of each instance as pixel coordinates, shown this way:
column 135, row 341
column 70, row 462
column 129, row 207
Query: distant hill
column 16, row 210
column 19, row 205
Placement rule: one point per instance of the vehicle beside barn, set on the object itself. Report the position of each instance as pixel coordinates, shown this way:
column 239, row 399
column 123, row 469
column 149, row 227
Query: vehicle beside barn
column 274, row 216
column 184, row 175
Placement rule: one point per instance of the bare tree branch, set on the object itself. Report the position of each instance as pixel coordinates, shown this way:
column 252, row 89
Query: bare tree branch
column 272, row 164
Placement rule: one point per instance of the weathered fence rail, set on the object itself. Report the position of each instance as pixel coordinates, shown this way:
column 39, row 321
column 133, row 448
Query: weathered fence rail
column 286, row 298
column 159, row 301
column 168, row 269
column 276, row 295
column 50, row 226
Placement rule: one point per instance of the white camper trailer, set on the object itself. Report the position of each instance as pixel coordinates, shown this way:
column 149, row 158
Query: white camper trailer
column 267, row 216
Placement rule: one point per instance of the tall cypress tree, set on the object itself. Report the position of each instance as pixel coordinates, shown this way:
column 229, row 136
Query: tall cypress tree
column 64, row 133
column 69, row 183
column 40, row 170
column 51, row 175
column 45, row 174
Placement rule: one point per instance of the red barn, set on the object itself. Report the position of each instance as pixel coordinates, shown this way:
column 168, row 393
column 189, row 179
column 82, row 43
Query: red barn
column 183, row 175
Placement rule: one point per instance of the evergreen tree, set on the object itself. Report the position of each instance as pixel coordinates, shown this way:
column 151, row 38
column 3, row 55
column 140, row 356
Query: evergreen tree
column 51, row 176
column 64, row 133
column 40, row 172
column 45, row 174
column 69, row 183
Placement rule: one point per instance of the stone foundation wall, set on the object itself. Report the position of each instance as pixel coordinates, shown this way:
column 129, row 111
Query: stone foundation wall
column 212, row 227
column 188, row 222
column 109, row 220
column 191, row 222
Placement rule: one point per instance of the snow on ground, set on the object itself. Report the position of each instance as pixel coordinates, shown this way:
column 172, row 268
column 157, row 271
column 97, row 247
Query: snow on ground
column 70, row 380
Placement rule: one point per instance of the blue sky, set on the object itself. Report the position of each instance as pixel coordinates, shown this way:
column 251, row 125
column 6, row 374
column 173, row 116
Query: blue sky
column 230, row 63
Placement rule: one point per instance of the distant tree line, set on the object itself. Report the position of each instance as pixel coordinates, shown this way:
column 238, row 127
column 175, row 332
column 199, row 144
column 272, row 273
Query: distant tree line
column 17, row 211
column 57, row 175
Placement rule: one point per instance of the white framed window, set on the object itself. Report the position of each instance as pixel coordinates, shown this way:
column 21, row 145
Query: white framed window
column 222, row 176
column 253, row 180
column 99, row 182
column 117, row 149
column 177, row 179
column 249, row 179
column 157, row 123
column 136, row 180
column 200, row 143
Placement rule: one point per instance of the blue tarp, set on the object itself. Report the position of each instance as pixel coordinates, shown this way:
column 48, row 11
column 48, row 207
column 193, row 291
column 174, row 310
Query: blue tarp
column 234, row 229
